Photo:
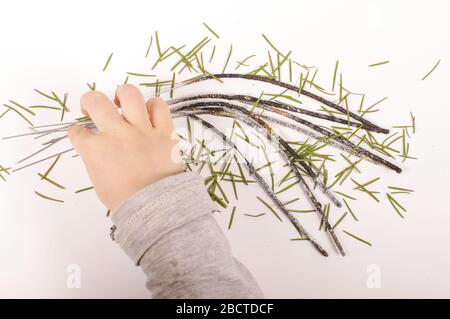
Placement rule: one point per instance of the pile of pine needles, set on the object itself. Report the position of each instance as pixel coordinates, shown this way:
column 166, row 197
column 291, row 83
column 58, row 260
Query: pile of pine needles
column 333, row 124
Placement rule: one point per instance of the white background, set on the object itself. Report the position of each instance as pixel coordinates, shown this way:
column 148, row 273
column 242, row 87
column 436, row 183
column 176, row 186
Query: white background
column 61, row 45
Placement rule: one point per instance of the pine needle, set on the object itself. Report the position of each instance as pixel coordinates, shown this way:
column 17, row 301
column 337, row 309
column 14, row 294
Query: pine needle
column 17, row 112
column 406, row 190
column 271, row 45
column 336, row 66
column 358, row 238
column 350, row 210
column 48, row 198
column 149, row 47
column 270, row 208
column 378, row 63
column 228, row 58
column 45, row 95
column 254, row 215
column 396, row 205
column 362, row 188
column 50, row 181
column 91, row 86
column 50, row 168
column 22, row 107
column 242, row 63
column 141, row 74
column 339, row 220
column 431, row 71
column 158, row 46
column 345, row 195
column 213, row 52
column 108, row 61
column 230, row 222
column 211, row 30
column 84, row 189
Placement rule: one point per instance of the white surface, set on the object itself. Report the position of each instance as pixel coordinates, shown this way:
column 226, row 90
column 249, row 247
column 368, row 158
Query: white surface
column 61, row 45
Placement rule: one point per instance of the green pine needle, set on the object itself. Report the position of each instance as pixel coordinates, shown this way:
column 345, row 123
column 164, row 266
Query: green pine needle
column 230, row 51
column 336, row 66
column 358, row 238
column 211, row 30
column 339, row 220
column 270, row 208
column 45, row 178
column 378, row 63
column 255, row 215
column 108, row 61
column 48, row 198
column 149, row 47
column 431, row 71
column 230, row 222
column 81, row 190
column 396, row 205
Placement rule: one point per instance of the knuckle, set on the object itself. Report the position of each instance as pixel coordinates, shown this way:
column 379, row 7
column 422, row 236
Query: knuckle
column 156, row 101
column 91, row 97
column 127, row 90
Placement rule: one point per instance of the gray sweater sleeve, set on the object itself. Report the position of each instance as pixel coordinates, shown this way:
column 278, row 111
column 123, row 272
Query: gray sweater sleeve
column 168, row 229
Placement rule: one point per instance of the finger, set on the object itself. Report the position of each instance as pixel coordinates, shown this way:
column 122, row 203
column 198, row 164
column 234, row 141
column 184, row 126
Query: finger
column 132, row 102
column 80, row 137
column 101, row 110
column 159, row 113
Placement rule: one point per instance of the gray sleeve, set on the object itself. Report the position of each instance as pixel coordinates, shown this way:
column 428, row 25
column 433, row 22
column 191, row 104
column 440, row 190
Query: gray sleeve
column 168, row 229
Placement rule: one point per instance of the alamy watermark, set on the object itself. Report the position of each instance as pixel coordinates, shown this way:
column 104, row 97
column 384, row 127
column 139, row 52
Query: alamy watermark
column 73, row 280
column 373, row 280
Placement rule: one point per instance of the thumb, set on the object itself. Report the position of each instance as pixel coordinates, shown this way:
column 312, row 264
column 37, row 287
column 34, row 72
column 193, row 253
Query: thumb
column 79, row 137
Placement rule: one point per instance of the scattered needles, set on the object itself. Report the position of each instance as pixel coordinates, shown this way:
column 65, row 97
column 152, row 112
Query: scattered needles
column 211, row 30
column 393, row 191
column 303, row 165
column 18, row 113
column 51, row 181
column 230, row 52
column 230, row 222
column 4, row 170
column 336, row 66
column 84, row 189
column 48, row 198
column 149, row 47
column 358, row 238
column 269, row 208
column 431, row 71
column 108, row 61
column 378, row 63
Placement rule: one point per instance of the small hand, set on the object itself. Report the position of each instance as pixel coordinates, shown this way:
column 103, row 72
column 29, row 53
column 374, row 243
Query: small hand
column 128, row 152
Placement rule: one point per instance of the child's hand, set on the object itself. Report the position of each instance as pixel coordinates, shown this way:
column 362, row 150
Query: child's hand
column 129, row 152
